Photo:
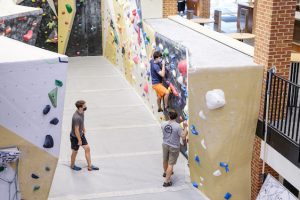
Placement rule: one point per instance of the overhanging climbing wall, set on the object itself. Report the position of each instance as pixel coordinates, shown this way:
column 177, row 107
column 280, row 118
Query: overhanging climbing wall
column 223, row 108
column 20, row 23
column 32, row 85
column 128, row 43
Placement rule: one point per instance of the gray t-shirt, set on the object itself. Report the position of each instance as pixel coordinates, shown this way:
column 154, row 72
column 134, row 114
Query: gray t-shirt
column 172, row 132
column 77, row 120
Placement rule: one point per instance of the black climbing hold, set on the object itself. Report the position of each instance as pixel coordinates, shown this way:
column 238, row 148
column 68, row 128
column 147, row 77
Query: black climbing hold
column 36, row 187
column 46, row 109
column 54, row 121
column 2, row 168
column 49, row 143
column 47, row 168
column 35, row 176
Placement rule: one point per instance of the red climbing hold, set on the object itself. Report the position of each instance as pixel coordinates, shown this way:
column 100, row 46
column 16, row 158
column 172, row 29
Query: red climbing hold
column 182, row 67
column 28, row 36
column 173, row 89
column 146, row 88
column 134, row 12
column 7, row 30
column 136, row 59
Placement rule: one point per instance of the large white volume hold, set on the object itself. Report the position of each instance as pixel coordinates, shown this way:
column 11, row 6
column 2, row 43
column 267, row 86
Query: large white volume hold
column 217, row 173
column 215, row 99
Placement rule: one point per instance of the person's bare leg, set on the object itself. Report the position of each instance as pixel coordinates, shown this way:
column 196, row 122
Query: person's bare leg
column 87, row 151
column 166, row 99
column 165, row 164
column 159, row 103
column 73, row 157
column 169, row 173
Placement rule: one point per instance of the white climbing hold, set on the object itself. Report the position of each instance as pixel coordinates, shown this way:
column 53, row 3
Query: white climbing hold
column 201, row 114
column 180, row 80
column 201, row 184
column 203, row 144
column 201, row 178
column 161, row 47
column 215, row 99
column 217, row 173
column 186, row 109
column 153, row 45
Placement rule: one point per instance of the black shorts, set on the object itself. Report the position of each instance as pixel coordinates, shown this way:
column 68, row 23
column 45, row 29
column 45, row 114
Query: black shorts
column 74, row 142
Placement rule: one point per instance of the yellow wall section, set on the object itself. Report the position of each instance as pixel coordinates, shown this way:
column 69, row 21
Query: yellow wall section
column 228, row 132
column 65, row 23
column 32, row 160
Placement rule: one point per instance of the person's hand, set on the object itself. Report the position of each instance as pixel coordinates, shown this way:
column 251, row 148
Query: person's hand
column 80, row 143
column 185, row 124
column 163, row 62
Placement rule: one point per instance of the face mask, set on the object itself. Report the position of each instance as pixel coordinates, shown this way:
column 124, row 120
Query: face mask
column 84, row 109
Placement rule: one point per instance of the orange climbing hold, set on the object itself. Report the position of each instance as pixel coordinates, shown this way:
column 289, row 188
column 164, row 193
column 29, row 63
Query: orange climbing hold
column 146, row 88
column 28, row 36
column 173, row 89
column 7, row 30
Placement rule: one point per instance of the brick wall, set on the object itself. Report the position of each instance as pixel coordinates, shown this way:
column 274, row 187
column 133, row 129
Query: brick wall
column 169, row 7
column 204, row 8
column 273, row 45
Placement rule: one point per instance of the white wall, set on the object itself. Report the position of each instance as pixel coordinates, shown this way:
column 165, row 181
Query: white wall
column 152, row 8
column 280, row 164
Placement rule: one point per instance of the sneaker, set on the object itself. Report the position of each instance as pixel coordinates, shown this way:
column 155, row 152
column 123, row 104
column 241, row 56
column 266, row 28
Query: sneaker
column 167, row 184
column 76, row 168
column 93, row 168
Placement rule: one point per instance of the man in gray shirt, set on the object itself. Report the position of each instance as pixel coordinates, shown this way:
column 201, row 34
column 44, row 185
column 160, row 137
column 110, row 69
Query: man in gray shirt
column 77, row 137
column 172, row 132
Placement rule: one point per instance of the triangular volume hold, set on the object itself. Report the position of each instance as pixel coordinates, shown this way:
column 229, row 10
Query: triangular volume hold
column 53, row 97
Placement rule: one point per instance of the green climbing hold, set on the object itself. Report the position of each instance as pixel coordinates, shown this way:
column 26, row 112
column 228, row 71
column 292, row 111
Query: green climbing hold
column 59, row 83
column 166, row 52
column 69, row 8
column 148, row 39
column 2, row 168
column 116, row 40
column 53, row 97
column 36, row 187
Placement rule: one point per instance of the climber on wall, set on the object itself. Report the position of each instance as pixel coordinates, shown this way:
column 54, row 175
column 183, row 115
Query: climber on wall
column 158, row 72
column 172, row 132
column 77, row 137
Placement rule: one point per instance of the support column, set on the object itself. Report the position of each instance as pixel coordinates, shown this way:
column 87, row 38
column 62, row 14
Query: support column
column 273, row 45
column 204, row 8
column 169, row 7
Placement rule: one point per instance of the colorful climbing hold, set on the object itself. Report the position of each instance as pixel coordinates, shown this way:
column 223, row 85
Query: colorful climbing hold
column 69, row 8
column 34, row 176
column 2, row 168
column 197, row 159
column 134, row 12
column 182, row 67
column 49, row 142
column 28, row 36
column 227, row 196
column 225, row 165
column 58, row 83
column 136, row 59
column 46, row 109
column 217, row 173
column 173, row 89
column 166, row 52
column 53, row 97
column 54, row 121
column 146, row 88
column 47, row 168
column 7, row 30
column 195, row 185
column 193, row 130
column 36, row 187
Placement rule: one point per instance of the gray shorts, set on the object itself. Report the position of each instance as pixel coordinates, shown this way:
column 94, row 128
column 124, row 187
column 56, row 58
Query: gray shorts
column 170, row 154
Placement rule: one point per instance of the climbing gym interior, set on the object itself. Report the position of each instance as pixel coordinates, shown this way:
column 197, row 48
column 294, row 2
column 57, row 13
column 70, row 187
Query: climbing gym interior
column 237, row 91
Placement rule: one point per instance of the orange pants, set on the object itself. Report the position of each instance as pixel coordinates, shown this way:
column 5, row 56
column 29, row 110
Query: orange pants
column 160, row 90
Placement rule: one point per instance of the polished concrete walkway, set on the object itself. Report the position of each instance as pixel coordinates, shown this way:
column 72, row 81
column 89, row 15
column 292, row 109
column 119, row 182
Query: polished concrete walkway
column 125, row 141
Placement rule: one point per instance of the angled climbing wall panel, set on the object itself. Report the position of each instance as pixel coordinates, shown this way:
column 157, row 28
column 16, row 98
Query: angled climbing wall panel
column 32, row 85
column 19, row 22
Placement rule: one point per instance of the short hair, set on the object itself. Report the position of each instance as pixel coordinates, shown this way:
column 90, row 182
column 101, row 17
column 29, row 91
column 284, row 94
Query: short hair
column 79, row 103
column 172, row 114
column 157, row 54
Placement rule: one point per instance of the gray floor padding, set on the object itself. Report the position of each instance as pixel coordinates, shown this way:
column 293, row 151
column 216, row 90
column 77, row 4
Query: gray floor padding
column 125, row 142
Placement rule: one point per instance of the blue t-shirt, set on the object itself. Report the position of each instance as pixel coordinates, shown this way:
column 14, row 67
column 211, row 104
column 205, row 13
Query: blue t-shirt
column 154, row 70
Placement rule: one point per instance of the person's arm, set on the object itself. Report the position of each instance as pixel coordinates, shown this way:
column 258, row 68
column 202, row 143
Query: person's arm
column 162, row 72
column 184, row 133
column 84, row 130
column 77, row 134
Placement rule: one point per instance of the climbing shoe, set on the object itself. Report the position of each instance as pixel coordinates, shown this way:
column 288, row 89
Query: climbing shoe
column 76, row 168
column 167, row 184
column 92, row 168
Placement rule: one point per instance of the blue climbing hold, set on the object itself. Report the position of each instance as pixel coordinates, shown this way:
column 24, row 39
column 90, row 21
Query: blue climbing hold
column 194, row 131
column 227, row 196
column 195, row 185
column 54, row 121
column 46, row 109
column 225, row 165
column 197, row 159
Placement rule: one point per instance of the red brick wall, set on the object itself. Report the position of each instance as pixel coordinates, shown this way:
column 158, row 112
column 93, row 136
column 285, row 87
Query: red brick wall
column 169, row 7
column 274, row 28
column 204, row 8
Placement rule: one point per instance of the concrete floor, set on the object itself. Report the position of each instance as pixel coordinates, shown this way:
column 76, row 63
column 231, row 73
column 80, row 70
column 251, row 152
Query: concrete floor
column 125, row 141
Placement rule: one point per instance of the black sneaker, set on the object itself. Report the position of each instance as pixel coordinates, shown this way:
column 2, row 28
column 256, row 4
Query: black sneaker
column 167, row 184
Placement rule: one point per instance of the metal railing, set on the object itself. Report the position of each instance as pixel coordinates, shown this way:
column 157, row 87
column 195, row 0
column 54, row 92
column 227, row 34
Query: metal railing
column 284, row 105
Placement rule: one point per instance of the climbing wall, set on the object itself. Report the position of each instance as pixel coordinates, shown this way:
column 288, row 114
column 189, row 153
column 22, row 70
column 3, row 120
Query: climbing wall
column 223, row 111
column 32, row 85
column 21, row 25
column 128, row 43
column 47, row 37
